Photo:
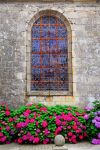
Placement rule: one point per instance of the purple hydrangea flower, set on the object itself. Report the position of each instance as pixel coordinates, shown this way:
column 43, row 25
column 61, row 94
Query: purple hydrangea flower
column 88, row 108
column 93, row 121
column 86, row 117
column 97, row 118
column 98, row 112
column 97, row 124
column 95, row 141
column 99, row 135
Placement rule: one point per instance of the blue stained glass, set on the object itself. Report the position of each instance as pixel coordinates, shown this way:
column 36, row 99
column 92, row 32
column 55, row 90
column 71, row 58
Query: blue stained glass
column 45, row 74
column 52, row 20
column 53, row 60
column 45, row 60
column 35, row 74
column 62, row 44
column 45, row 32
column 53, row 31
column 52, row 43
column 37, row 21
column 45, row 45
column 35, row 60
column 45, row 19
column 45, row 85
column 63, row 86
column 61, row 28
column 62, row 32
column 53, row 74
column 36, row 86
column 35, row 45
column 63, row 74
column 59, row 21
column 36, row 28
column 53, row 86
column 35, row 34
column 62, row 59
column 52, row 46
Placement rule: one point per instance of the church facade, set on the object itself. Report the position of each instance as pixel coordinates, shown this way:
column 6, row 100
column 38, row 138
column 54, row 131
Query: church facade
column 49, row 52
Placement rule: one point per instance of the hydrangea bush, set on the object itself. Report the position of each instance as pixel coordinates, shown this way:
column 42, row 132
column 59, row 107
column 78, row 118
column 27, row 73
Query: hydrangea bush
column 7, row 129
column 93, row 123
column 40, row 124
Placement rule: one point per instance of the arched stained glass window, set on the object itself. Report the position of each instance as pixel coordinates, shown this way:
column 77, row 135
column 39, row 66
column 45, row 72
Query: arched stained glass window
column 49, row 56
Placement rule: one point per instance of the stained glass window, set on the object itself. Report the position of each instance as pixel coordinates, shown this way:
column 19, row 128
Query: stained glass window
column 49, row 55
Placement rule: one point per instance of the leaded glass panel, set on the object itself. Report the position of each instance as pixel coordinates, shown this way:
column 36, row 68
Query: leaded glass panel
column 49, row 58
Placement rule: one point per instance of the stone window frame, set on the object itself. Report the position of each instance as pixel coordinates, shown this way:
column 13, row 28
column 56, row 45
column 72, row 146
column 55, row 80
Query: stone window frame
column 28, row 55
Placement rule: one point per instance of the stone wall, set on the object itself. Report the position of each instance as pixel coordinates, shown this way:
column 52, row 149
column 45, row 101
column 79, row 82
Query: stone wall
column 85, row 24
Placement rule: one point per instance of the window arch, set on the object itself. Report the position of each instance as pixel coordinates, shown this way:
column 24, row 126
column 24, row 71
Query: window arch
column 50, row 63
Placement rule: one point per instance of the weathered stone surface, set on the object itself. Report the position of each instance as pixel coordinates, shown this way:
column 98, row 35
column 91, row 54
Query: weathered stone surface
column 85, row 24
column 60, row 148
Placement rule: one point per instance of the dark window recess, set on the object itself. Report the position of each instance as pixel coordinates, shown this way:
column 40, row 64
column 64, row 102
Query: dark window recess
column 49, row 55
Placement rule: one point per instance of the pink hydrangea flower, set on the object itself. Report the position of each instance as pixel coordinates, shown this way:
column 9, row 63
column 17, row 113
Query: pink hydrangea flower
column 10, row 119
column 58, row 122
column 38, row 131
column 70, row 133
column 43, row 109
column 28, row 111
column 46, row 131
column 58, row 130
column 31, row 138
column 7, row 128
column 69, row 127
column 46, row 141
column 26, row 114
column 24, row 137
column 1, row 134
column 36, row 140
column 64, row 123
column 37, row 123
column 7, row 112
column 31, row 120
column 3, row 139
column 7, row 142
column 44, row 124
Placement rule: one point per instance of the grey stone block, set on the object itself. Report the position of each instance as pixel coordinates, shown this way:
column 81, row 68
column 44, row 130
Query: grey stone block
column 60, row 148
